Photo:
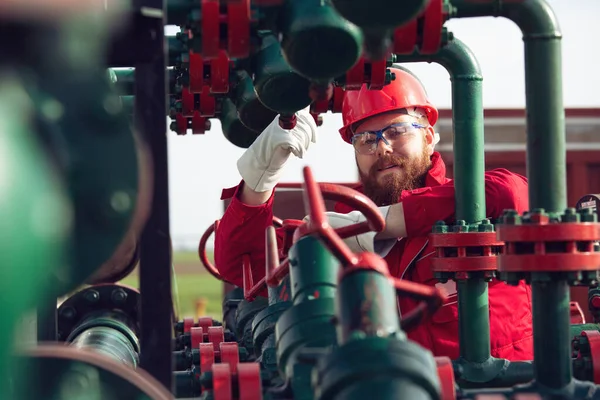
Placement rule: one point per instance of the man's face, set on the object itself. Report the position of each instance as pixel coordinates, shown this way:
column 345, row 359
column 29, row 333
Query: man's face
column 400, row 165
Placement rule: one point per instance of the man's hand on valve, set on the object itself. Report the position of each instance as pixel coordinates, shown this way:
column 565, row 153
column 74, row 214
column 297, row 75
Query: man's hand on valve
column 262, row 164
column 374, row 242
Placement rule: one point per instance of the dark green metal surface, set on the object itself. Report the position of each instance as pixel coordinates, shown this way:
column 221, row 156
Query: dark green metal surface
column 251, row 112
column 377, row 368
column 546, row 155
column 234, row 130
column 30, row 249
column 317, row 42
column 552, row 343
column 277, row 85
column 467, row 124
column 469, row 169
column 473, row 306
column 313, row 271
column 309, row 322
column 263, row 329
column 546, row 166
column 379, row 13
column 366, row 306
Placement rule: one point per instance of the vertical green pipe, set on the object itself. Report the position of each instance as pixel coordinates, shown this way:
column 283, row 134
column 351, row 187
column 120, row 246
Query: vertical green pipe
column 546, row 164
column 550, row 302
column 469, row 169
column 34, row 211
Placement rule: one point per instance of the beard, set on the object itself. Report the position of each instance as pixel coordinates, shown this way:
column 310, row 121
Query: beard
column 388, row 189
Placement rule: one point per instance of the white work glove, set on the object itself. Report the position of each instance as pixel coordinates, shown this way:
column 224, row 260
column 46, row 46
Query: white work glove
column 365, row 241
column 261, row 165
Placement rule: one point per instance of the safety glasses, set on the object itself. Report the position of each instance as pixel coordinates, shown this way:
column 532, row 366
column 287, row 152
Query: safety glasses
column 393, row 135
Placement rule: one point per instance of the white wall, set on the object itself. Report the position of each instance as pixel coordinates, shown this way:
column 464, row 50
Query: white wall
column 200, row 166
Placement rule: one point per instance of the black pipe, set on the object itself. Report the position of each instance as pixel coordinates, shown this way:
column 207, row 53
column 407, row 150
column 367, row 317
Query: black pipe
column 155, row 246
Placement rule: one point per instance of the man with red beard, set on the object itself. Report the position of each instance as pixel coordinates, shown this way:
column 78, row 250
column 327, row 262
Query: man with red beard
column 391, row 131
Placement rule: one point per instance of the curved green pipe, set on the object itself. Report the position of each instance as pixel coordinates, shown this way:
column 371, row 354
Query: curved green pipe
column 469, row 169
column 546, row 166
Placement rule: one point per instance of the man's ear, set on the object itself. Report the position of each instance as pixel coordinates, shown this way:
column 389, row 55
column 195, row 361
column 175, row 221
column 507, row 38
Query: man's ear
column 430, row 139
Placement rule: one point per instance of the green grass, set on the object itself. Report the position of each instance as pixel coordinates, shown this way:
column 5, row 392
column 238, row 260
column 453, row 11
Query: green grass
column 191, row 286
column 184, row 257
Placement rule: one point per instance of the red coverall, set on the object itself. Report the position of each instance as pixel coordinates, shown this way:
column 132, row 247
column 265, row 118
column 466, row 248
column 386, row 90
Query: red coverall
column 241, row 231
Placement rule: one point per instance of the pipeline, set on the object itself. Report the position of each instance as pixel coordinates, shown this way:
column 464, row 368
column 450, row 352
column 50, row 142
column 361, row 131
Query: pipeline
column 91, row 84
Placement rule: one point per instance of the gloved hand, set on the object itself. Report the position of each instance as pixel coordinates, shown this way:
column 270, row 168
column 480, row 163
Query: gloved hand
column 365, row 241
column 261, row 165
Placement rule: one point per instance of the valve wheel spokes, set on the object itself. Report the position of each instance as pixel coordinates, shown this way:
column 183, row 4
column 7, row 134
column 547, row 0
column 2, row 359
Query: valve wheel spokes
column 210, row 267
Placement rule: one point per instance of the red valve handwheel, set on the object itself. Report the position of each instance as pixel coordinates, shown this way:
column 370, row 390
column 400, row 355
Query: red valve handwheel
column 315, row 194
column 446, row 375
column 431, row 297
column 577, row 315
column 202, row 247
column 315, row 208
column 594, row 343
column 431, row 300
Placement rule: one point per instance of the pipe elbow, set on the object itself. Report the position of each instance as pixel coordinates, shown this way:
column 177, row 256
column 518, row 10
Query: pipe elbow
column 460, row 61
column 535, row 18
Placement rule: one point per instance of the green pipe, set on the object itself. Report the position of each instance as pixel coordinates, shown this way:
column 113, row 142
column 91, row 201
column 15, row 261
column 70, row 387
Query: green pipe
column 469, row 169
column 474, row 320
column 546, row 165
column 552, row 333
column 34, row 211
column 546, row 156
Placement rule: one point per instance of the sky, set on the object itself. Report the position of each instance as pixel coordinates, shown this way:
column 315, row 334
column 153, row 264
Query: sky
column 201, row 165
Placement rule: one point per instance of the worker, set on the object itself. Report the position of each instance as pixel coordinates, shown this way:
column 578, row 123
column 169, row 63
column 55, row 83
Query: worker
column 391, row 133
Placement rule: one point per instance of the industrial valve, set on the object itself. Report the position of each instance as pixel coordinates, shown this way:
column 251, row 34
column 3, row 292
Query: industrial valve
column 467, row 254
column 367, row 321
column 317, row 42
column 304, row 332
column 378, row 19
column 202, row 21
column 252, row 113
column 277, row 85
column 425, row 33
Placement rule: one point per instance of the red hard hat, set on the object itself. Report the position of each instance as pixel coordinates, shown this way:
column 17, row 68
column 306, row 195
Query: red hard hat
column 403, row 92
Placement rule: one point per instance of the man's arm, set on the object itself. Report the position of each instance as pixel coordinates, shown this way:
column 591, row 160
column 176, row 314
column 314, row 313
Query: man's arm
column 417, row 213
column 243, row 226
column 242, row 232
column 254, row 198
